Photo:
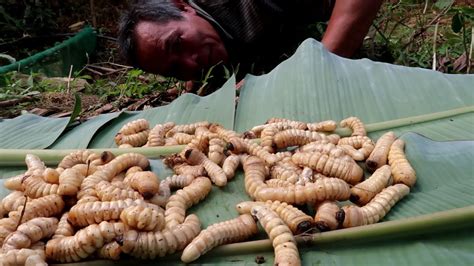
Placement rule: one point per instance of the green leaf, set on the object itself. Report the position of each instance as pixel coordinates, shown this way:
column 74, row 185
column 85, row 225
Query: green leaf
column 80, row 136
column 442, row 4
column 457, row 22
column 31, row 131
column 217, row 107
column 315, row 85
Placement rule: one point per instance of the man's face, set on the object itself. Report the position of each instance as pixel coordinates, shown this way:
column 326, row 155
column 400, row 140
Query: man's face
column 180, row 48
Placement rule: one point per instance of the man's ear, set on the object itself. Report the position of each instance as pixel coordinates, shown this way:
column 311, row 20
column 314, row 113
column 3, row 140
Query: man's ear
column 183, row 6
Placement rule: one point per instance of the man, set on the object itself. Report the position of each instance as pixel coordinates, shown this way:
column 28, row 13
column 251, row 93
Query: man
column 185, row 39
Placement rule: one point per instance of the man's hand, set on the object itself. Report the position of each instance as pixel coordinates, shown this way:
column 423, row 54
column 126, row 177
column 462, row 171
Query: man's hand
column 349, row 24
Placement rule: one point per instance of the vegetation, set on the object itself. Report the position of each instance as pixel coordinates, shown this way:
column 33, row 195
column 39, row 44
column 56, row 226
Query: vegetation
column 416, row 33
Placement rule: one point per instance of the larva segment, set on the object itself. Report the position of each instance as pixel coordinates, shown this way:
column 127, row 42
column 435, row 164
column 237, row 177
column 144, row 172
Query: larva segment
column 326, row 126
column 254, row 171
column 46, row 206
column 149, row 245
column 110, row 251
column 362, row 143
column 306, row 176
column 110, row 170
column 34, row 187
column 145, row 182
column 171, row 141
column 187, row 128
column 355, row 124
column 70, row 181
column 283, row 241
column 217, row 175
column 286, row 170
column 191, row 170
column 135, row 140
column 291, row 123
column 161, row 198
column 330, row 166
column 363, row 192
column 297, row 221
column 64, row 227
column 185, row 198
column 30, row 232
column 200, row 142
column 35, row 260
column 51, row 176
column 378, row 156
column 18, row 257
column 108, row 192
column 134, row 127
column 178, row 181
column 231, row 231
column 223, row 133
column 278, row 183
column 156, row 137
column 327, row 148
column 11, row 202
column 7, row 226
column 377, row 208
column 322, row 189
column 239, row 145
column 84, row 243
column 83, row 214
column 328, row 216
column 216, row 150
column 143, row 218
column 183, row 138
column 296, row 137
column 34, row 164
column 77, row 157
column 402, row 171
column 14, row 182
column 357, row 155
column 231, row 163
column 266, row 137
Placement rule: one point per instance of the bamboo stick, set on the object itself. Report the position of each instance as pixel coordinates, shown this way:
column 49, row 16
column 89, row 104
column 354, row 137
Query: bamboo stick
column 454, row 219
column 12, row 157
column 16, row 157
column 407, row 121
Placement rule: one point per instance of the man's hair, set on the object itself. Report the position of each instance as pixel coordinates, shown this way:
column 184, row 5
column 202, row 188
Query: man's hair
column 160, row 11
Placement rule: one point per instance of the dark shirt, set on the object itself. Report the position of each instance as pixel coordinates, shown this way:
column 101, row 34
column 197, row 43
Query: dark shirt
column 258, row 34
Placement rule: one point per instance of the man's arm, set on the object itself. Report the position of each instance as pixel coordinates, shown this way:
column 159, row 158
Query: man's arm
column 349, row 23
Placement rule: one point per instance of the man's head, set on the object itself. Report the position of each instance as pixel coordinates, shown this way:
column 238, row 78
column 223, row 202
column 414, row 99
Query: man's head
column 168, row 37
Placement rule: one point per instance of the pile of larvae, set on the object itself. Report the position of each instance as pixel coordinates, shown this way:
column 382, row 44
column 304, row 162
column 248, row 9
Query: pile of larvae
column 102, row 206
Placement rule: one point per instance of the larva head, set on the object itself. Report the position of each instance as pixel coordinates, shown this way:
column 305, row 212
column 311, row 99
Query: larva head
column 106, row 157
column 173, row 160
column 353, row 216
column 249, row 135
column 236, row 145
column 118, row 138
column 322, row 226
column 304, row 226
column 354, row 198
column 340, row 215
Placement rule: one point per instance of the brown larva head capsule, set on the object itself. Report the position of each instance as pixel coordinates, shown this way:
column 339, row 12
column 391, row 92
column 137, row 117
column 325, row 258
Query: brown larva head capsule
column 322, row 226
column 340, row 216
column 354, row 198
column 249, row 135
column 106, row 156
column 229, row 147
column 187, row 153
column 303, row 227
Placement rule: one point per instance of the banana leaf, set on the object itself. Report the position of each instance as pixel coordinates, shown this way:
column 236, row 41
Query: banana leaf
column 432, row 112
